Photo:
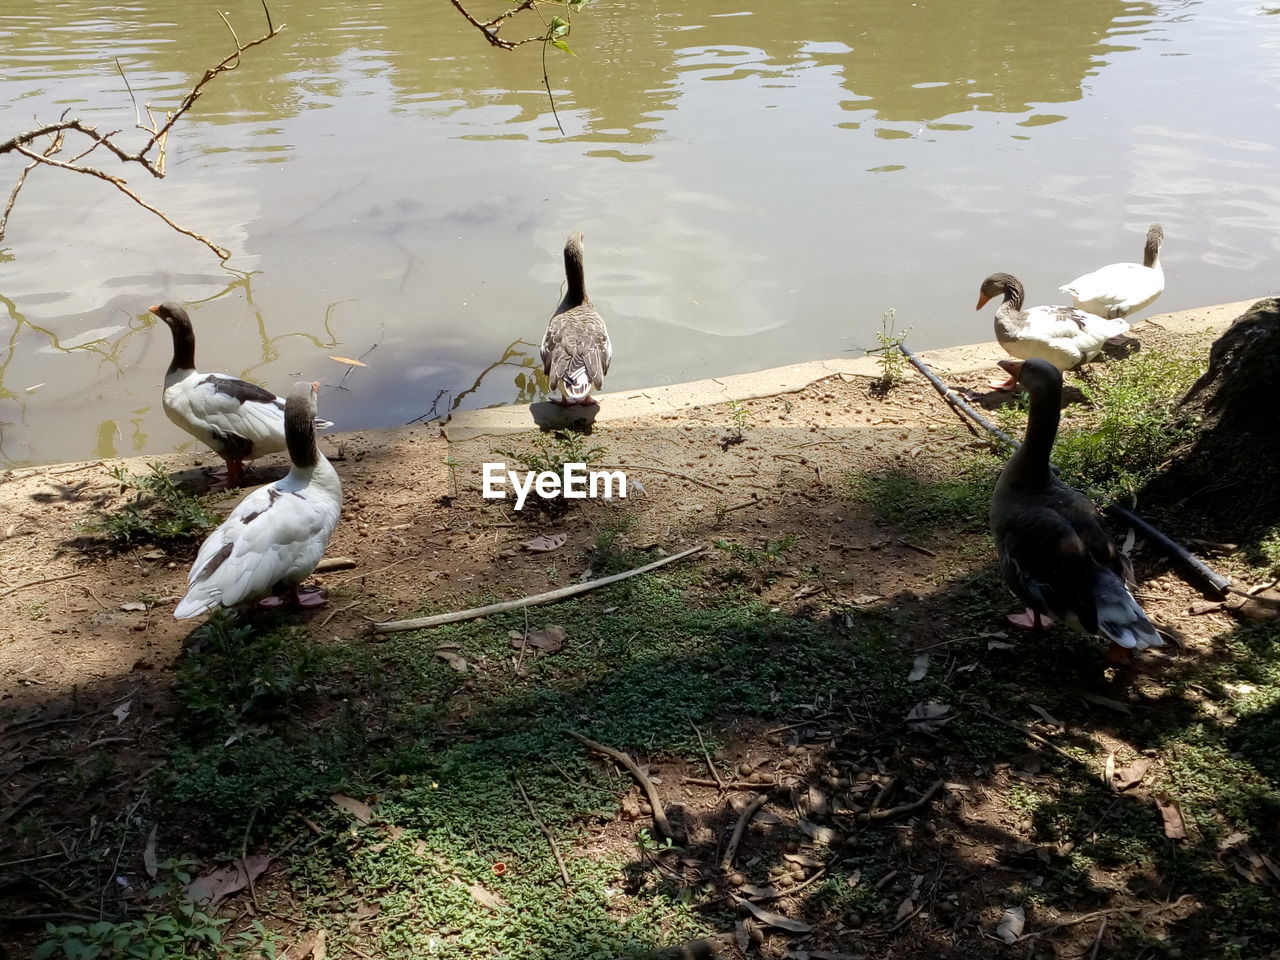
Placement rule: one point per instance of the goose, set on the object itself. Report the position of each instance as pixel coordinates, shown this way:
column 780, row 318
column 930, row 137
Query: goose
column 575, row 349
column 1054, row 552
column 1064, row 336
column 1119, row 289
column 236, row 419
column 276, row 535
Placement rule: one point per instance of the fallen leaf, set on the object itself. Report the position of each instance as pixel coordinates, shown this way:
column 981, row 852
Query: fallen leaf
column 121, row 713
column 312, row 945
column 357, row 808
column 549, row 639
column 928, row 717
column 320, row 949
column 758, row 893
column 349, row 362
column 1130, row 776
column 768, row 818
column 1109, row 769
column 919, row 667
column 800, row 858
column 905, row 909
column 769, row 918
column 999, row 645
column 1107, row 702
column 1127, row 547
column 545, row 543
column 1171, row 813
column 867, row 598
column 452, row 659
column 1011, row 924
column 818, row 833
column 215, row 887
column 1046, row 716
column 149, row 853
column 486, row 898
column 133, row 606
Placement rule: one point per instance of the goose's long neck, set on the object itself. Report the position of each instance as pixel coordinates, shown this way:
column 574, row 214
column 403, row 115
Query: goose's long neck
column 576, row 292
column 184, row 346
column 1151, row 252
column 300, row 436
column 1030, row 465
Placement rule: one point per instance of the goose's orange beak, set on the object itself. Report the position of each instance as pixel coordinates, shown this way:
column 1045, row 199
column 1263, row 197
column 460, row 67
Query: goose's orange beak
column 155, row 309
column 982, row 300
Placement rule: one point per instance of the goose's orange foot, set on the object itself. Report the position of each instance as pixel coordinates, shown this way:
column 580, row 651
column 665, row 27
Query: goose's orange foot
column 1030, row 620
column 310, row 598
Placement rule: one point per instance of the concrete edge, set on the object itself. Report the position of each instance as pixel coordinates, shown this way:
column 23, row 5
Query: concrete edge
column 792, row 378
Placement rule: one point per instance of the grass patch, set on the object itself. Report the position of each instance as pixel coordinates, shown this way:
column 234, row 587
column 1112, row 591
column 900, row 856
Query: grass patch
column 159, row 512
column 917, row 504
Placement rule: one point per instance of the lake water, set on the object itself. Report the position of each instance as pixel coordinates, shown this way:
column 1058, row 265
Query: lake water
column 758, row 184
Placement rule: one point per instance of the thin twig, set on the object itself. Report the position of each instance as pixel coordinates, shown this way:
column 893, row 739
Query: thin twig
column 875, row 816
column 36, row 583
column 1096, row 914
column 799, row 723
column 659, row 813
column 1031, row 734
column 244, row 860
column 726, row 784
column 748, row 813
column 918, row 549
column 555, row 850
column 707, row 756
column 546, row 82
column 421, row 623
column 115, row 866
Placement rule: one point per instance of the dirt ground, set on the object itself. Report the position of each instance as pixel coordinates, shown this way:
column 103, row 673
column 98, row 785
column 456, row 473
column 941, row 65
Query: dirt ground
column 88, row 645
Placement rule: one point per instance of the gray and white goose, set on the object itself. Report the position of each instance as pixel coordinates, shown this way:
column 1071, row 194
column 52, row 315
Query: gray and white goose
column 1054, row 552
column 1063, row 336
column 234, row 418
column 575, row 349
column 276, row 535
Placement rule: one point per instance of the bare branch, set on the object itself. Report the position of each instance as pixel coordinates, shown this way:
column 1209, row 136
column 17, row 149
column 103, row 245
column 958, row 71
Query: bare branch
column 50, row 150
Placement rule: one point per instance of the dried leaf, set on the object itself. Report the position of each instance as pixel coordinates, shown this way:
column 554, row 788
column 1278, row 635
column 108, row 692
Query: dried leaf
column 149, row 853
column 452, row 659
column 215, row 887
column 1107, row 702
column 919, row 667
column 133, row 606
column 1130, row 776
column 1046, row 716
column 1127, row 547
column 800, row 858
column 769, row 918
column 320, row 950
column 929, row 717
column 1011, row 924
column 349, row 362
column 819, row 834
column 1109, row 769
column 357, row 808
column 312, row 945
column 867, row 598
column 486, row 898
column 121, row 713
column 546, row 542
column 1171, row 813
column 905, row 909
column 549, row 639
column 759, row 893
column 999, row 645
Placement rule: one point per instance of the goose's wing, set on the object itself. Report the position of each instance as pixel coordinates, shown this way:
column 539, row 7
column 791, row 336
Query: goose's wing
column 577, row 340
column 1046, row 563
column 274, row 535
column 233, row 408
column 1116, row 289
column 1065, row 335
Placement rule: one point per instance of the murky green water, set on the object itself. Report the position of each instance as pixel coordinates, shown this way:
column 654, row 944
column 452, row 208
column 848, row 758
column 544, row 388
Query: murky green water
column 757, row 184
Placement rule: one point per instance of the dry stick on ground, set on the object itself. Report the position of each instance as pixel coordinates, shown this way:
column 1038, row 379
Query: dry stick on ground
column 1031, row 734
column 726, row 784
column 659, row 813
column 748, row 814
column 36, row 583
column 555, row 850
column 875, row 816
column 707, row 756
column 157, row 133
column 1103, row 913
column 420, row 623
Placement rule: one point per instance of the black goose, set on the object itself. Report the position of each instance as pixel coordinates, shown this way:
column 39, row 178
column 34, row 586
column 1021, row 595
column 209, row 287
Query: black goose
column 1054, row 552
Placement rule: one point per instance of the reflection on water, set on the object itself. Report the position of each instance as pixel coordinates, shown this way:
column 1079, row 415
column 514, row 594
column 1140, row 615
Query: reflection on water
column 757, row 185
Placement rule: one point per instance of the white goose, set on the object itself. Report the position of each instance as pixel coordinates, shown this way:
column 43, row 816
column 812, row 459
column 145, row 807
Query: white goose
column 1119, row 289
column 1064, row 336
column 236, row 419
column 276, row 535
column 575, row 349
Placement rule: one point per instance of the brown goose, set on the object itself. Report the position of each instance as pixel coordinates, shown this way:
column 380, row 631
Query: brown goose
column 1054, row 552
column 575, row 350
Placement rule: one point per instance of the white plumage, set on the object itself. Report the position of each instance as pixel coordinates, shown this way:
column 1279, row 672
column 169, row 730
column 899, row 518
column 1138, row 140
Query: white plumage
column 1064, row 336
column 236, row 419
column 275, row 536
column 1119, row 289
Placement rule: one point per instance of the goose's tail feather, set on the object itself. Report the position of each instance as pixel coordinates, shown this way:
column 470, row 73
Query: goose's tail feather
column 1120, row 619
column 576, row 385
